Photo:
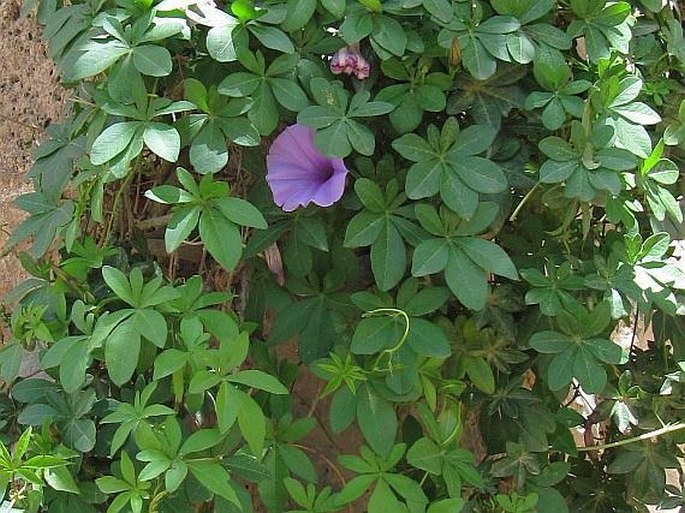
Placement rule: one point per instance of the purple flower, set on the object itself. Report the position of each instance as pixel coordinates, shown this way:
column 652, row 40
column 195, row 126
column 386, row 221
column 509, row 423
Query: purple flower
column 350, row 61
column 298, row 174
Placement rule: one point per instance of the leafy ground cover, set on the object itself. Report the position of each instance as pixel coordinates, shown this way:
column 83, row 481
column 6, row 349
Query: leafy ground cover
column 449, row 210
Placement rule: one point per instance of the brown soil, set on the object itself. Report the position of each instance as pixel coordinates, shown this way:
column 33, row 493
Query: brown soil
column 31, row 98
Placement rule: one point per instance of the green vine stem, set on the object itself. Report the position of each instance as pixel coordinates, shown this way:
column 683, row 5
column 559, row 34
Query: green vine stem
column 645, row 436
column 523, row 201
column 392, row 312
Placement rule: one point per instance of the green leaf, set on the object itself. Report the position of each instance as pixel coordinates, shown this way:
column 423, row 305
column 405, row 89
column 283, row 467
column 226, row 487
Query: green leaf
column 457, row 195
column 169, row 362
column 335, row 7
column 388, row 257
column 428, row 339
column 407, row 488
column 91, row 58
column 298, row 462
column 181, row 225
column 374, row 334
column 223, row 39
column 264, row 110
column 363, row 229
column 163, row 140
column 489, row 256
column 454, row 505
column 200, row 440
column 561, row 369
column 414, row 148
column 343, row 409
column 430, row 257
column 441, row 9
column 258, row 379
column 382, row 499
column 607, row 351
column 113, row 140
column 252, row 424
column 122, row 350
column 473, row 140
column 298, row 14
column 423, row 178
column 553, row 171
column 549, row 342
column 152, row 60
column 370, row 195
column 214, row 477
column 360, row 137
column 590, row 374
column 289, row 94
column 239, row 84
column 241, row 212
column 60, row 479
column 316, row 116
column 557, row 149
column 79, row 434
column 466, row 281
column 117, row 281
column 426, row 455
column 208, row 152
column 638, row 113
column 168, row 195
column 311, row 231
column 480, row 374
column 389, row 35
column 272, row 37
column 227, row 405
column 377, row 420
column 477, row 60
column 221, row 238
column 151, row 325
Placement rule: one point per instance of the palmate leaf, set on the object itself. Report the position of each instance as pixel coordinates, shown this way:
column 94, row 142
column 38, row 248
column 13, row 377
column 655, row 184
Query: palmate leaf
column 47, row 218
column 488, row 101
column 605, row 27
column 579, row 354
column 311, row 321
column 338, row 131
column 453, row 169
column 64, row 26
column 466, row 260
column 55, row 159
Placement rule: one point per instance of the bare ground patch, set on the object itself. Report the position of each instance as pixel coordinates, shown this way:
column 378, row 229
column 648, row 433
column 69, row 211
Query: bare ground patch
column 30, row 99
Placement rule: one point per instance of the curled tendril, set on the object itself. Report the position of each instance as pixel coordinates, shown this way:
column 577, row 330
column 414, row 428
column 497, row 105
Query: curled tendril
column 391, row 312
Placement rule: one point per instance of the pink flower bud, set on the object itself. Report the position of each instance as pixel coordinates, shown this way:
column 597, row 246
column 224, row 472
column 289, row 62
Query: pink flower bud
column 349, row 60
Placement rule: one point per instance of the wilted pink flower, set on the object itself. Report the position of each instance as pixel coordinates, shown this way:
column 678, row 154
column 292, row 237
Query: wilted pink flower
column 298, row 174
column 350, row 61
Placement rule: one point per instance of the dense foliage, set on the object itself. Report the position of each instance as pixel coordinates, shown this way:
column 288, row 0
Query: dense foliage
column 495, row 305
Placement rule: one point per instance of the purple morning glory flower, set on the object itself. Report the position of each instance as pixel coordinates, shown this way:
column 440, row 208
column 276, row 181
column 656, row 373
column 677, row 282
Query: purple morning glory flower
column 298, row 174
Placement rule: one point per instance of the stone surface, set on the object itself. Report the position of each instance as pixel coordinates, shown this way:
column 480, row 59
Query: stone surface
column 31, row 98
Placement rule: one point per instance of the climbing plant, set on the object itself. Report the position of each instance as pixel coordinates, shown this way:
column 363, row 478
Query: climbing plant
column 445, row 236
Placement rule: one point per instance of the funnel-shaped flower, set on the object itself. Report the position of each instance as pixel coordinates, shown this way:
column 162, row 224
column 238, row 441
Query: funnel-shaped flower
column 350, row 61
column 298, row 174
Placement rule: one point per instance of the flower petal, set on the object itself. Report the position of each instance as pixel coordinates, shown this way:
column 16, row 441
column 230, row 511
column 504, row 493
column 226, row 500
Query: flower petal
column 298, row 174
column 296, row 145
